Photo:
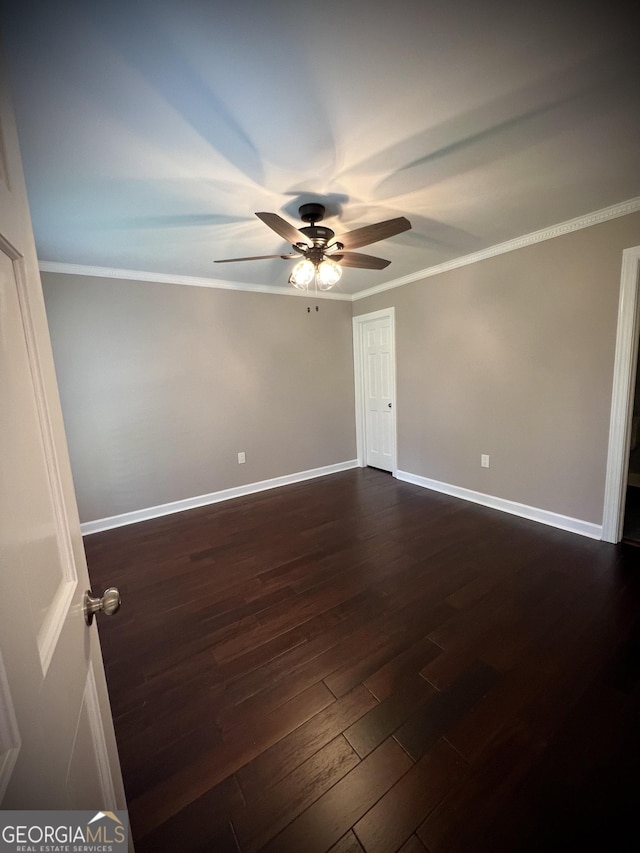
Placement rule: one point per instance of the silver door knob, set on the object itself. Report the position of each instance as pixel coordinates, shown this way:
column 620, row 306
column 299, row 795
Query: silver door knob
column 108, row 604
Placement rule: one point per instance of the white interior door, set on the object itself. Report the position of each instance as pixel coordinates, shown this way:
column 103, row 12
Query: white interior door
column 57, row 745
column 376, row 361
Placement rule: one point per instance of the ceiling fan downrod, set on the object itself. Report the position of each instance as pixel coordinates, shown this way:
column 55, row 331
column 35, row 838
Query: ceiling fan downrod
column 319, row 236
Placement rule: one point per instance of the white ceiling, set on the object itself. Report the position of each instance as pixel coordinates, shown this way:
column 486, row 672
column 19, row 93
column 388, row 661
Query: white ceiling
column 151, row 130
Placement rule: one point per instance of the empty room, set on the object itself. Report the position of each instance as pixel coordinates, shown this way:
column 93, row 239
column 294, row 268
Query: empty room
column 320, row 424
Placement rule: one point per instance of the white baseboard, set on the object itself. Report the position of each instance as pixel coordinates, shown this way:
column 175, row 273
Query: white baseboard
column 553, row 519
column 214, row 497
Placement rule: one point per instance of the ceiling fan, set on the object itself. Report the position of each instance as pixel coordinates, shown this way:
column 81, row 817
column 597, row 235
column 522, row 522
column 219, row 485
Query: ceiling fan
column 320, row 255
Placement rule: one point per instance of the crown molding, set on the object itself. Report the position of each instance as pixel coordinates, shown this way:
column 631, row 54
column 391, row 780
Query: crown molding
column 606, row 213
column 186, row 280
column 623, row 208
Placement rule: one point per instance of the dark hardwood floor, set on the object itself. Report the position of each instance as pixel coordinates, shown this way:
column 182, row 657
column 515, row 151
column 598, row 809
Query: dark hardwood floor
column 357, row 664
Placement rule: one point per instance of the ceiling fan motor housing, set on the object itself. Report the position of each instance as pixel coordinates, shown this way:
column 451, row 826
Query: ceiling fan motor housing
column 318, row 234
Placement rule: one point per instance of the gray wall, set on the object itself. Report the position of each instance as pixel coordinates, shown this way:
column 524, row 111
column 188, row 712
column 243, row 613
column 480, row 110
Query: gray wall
column 162, row 385
column 513, row 356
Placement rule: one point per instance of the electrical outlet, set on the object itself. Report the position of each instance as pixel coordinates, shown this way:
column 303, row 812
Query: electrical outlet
column 241, row 458
column 484, row 460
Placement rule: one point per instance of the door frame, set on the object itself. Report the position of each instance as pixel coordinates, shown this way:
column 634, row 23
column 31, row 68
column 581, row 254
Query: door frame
column 624, row 376
column 359, row 386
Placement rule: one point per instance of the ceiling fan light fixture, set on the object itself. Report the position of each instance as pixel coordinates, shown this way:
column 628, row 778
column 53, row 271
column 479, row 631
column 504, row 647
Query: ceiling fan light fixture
column 329, row 274
column 302, row 274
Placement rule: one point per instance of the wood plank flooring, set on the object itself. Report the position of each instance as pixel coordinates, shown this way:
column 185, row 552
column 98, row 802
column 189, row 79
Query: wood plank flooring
column 356, row 664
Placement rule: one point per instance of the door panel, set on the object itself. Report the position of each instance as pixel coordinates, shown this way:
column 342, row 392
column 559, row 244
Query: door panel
column 29, row 450
column 378, row 392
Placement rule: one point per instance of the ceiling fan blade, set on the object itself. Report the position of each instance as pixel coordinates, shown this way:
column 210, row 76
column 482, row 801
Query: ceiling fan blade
column 372, row 233
column 258, row 258
column 357, row 259
column 281, row 227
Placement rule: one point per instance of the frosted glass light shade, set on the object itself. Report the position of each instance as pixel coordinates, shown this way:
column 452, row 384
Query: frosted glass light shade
column 329, row 273
column 302, row 274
